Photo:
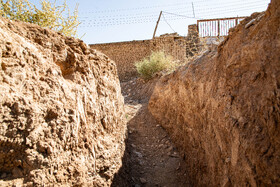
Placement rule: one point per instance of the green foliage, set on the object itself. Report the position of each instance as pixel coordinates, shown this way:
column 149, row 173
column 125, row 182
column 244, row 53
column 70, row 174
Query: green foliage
column 49, row 15
column 156, row 62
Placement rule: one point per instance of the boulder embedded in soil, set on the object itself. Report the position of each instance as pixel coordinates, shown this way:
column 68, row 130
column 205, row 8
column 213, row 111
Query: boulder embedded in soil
column 62, row 112
column 223, row 110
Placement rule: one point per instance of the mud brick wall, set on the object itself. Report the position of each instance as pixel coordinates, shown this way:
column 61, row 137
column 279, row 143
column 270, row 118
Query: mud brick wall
column 171, row 45
column 125, row 54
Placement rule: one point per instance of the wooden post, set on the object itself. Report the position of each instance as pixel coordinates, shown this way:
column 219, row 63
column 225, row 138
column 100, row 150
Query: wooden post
column 193, row 10
column 157, row 24
column 197, row 26
column 218, row 28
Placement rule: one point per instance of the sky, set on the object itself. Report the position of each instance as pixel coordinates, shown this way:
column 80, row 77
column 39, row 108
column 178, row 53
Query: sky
column 106, row 21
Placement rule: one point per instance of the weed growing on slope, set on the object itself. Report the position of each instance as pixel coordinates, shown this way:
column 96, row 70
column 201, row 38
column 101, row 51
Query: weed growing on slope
column 156, row 62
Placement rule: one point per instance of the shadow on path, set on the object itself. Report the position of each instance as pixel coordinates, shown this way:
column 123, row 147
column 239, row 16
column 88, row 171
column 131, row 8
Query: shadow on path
column 150, row 158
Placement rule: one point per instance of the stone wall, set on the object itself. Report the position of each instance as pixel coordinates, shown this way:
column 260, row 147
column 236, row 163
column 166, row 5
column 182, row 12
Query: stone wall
column 193, row 44
column 125, row 54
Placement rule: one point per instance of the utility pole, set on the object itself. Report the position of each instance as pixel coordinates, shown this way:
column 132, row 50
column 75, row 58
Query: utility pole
column 193, row 10
column 157, row 24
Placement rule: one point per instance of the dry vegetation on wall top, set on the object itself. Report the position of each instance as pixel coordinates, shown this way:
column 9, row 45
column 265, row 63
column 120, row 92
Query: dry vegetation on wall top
column 223, row 110
column 62, row 113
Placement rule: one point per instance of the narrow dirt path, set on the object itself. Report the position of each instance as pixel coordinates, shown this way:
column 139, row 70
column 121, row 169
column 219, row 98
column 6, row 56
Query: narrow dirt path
column 152, row 158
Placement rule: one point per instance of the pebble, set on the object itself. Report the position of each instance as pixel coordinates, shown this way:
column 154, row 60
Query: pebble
column 143, row 180
column 141, row 163
column 138, row 154
column 170, row 149
column 178, row 167
column 173, row 155
column 4, row 175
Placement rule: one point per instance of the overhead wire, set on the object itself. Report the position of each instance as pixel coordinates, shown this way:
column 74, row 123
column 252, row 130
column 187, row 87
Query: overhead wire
column 205, row 14
column 137, row 8
column 234, row 3
column 168, row 23
column 135, row 13
column 223, row 7
column 135, row 18
column 170, row 5
column 181, row 15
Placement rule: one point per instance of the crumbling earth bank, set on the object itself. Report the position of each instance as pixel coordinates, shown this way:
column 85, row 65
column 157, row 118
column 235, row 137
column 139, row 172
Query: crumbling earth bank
column 223, row 110
column 61, row 109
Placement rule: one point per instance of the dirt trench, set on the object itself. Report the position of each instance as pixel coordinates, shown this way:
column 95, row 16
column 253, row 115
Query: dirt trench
column 151, row 158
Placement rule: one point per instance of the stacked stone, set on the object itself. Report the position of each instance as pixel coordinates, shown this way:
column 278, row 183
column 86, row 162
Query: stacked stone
column 192, row 41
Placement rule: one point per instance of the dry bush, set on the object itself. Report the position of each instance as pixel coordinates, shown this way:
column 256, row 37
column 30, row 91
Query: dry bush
column 156, row 62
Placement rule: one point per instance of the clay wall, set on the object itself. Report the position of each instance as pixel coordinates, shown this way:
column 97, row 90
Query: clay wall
column 125, row 54
column 171, row 45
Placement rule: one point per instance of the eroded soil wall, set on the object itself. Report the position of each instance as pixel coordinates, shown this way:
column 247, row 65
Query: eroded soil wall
column 62, row 112
column 223, row 110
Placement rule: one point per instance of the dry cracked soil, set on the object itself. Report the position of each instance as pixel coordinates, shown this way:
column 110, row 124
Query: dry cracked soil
column 151, row 158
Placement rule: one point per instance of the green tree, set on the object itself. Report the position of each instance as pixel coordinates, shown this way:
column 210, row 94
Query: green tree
column 49, row 15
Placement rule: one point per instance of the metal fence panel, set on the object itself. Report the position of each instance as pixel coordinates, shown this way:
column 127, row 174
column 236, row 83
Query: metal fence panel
column 217, row 27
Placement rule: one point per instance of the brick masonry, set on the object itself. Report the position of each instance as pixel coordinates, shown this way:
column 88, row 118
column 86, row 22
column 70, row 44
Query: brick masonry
column 125, row 54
